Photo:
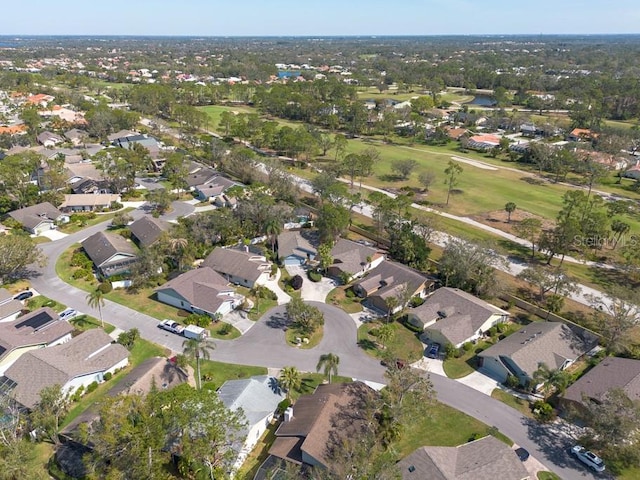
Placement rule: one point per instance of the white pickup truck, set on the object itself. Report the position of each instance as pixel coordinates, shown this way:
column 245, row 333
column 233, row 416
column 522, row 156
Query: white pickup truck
column 171, row 326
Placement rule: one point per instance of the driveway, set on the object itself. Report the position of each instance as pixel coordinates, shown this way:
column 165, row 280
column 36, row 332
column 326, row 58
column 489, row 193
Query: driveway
column 272, row 284
column 239, row 320
column 53, row 234
column 312, row 291
column 480, row 382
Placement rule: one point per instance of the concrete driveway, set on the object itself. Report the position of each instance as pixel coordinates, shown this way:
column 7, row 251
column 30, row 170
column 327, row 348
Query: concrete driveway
column 312, row 291
column 272, row 284
column 52, row 235
column 480, row 382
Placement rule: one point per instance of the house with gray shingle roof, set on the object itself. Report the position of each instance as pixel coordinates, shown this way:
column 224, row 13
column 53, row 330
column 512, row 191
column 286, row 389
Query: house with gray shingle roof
column 450, row 315
column 77, row 363
column 9, row 308
column 110, row 253
column 353, row 259
column 258, row 398
column 611, row 373
column 484, row 459
column 38, row 329
column 295, row 247
column 200, row 291
column 89, row 202
column 520, row 354
column 147, row 230
column 238, row 266
column 39, row 218
column 213, row 188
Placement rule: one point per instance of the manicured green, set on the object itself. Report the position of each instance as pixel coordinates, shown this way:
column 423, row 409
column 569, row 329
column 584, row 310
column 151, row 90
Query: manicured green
column 338, row 298
column 214, row 374
column 553, row 476
column 216, row 331
column 292, row 334
column 99, row 218
column 629, row 474
column 519, row 404
column 403, row 345
column 41, row 301
column 87, row 322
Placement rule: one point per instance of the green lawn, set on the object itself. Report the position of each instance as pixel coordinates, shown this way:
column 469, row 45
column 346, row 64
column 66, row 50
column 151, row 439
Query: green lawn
column 629, row 474
column 292, row 334
column 444, row 426
column 216, row 331
column 215, row 111
column 403, row 345
column 214, row 374
column 338, row 298
column 139, row 353
column 258, row 455
column 519, row 404
column 72, row 227
column 41, row 301
column 553, row 476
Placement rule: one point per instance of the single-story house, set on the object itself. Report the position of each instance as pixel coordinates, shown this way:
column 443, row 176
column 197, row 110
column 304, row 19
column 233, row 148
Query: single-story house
column 201, row 291
column 450, row 315
column 528, row 130
column 9, row 308
column 111, row 253
column 89, row 185
column 89, row 202
column 77, row 363
column 239, row 266
column 199, row 175
column 49, row 139
column 611, row 373
column 320, row 423
column 455, row 133
column 258, row 398
column 147, row 141
column 39, row 218
column 632, row 172
column 38, row 329
column 213, row 188
column 295, row 248
column 520, row 354
column 121, row 134
column 225, row 201
column 353, row 259
column 147, row 230
column 484, row 459
column 581, row 134
column 483, row 142
column 392, row 280
column 75, row 136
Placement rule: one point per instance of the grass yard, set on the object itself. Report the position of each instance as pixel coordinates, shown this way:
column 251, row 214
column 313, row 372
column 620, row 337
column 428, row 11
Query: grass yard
column 259, row 454
column 217, row 331
column 519, row 404
column 629, row 474
column 140, row 352
column 36, row 465
column 553, row 476
column 41, row 301
column 214, row 374
column 215, row 111
column 73, row 227
column 338, row 298
column 444, row 426
column 292, row 334
column 87, row 322
column 403, row 345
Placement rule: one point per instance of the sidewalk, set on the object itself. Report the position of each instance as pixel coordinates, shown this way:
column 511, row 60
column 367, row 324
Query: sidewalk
column 272, row 284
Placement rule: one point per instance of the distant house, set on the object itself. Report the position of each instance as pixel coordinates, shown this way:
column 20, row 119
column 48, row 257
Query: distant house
column 9, row 308
column 521, row 353
column 39, row 218
column 353, row 259
column 455, row 133
column 121, row 134
column 89, row 185
column 77, row 363
column 146, row 141
column 318, row 424
column 75, row 136
column 89, row 202
column 112, row 254
column 12, row 130
column 611, row 373
column 581, row 135
column 483, row 142
column 40, row 99
column 450, row 315
column 484, row 459
column 201, row 291
column 294, row 248
column 239, row 267
column 213, row 188
column 199, row 175
column 49, row 139
column 147, row 230
column 392, row 280
column 528, row 130
column 258, row 398
column 38, row 329
column 633, row 172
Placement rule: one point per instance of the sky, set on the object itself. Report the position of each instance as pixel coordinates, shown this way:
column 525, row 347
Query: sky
column 318, row 18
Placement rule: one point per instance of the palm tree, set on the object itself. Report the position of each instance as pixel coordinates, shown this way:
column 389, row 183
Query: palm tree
column 290, row 379
column 329, row 362
column 195, row 349
column 509, row 207
column 95, row 299
column 385, row 333
column 272, row 229
column 177, row 245
column 555, row 378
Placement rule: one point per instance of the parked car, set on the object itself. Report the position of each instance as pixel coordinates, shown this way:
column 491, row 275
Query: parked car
column 589, row 458
column 171, row 326
column 523, row 455
column 68, row 314
column 23, row 295
column 434, row 351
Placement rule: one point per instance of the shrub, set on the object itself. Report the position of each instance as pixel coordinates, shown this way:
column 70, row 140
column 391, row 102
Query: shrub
column 283, row 405
column 449, row 351
column 314, row 276
column 274, row 269
column 128, row 338
column 201, row 320
column 92, row 387
column 349, row 293
column 492, row 331
column 512, row 381
column 296, row 282
column 416, row 301
column 543, row 411
column 107, row 376
column 467, row 346
column 501, row 327
column 105, row 286
column 225, row 329
column 264, row 293
column 80, row 259
column 81, row 273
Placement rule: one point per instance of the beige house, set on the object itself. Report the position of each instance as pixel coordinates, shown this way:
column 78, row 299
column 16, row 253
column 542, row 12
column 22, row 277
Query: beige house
column 39, row 218
column 238, row 266
column 353, row 259
column 450, row 315
column 88, row 202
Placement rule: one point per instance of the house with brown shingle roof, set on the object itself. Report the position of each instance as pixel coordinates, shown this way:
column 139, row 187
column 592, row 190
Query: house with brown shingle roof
column 319, row 424
column 201, row 291
column 88, row 202
column 110, row 253
column 147, row 230
column 77, row 363
column 450, row 315
column 9, row 308
column 611, row 373
column 239, row 266
column 38, row 329
column 392, row 280
column 484, row 459
column 520, row 354
column 353, row 259
column 39, row 218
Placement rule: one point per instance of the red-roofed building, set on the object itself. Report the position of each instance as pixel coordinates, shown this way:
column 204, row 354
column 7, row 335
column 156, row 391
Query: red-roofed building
column 483, row 142
column 581, row 135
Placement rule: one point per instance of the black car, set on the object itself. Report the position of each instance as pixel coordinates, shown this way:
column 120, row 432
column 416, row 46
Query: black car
column 523, row 455
column 23, row 295
column 434, row 350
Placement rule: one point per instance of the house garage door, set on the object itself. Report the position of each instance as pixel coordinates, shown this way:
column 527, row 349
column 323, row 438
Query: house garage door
column 293, row 260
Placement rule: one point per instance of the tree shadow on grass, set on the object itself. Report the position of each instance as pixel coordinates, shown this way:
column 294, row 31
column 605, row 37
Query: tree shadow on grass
column 367, row 344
